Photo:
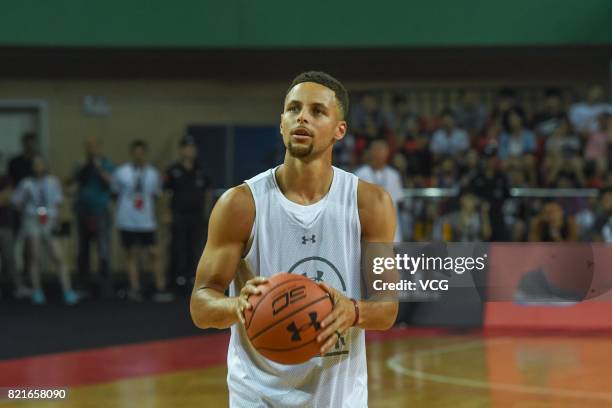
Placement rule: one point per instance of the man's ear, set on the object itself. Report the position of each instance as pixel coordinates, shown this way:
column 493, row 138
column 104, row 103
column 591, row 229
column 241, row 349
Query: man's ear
column 341, row 129
column 281, row 124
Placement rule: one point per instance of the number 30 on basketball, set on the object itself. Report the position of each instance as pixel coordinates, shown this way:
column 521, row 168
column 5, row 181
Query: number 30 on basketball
column 291, row 296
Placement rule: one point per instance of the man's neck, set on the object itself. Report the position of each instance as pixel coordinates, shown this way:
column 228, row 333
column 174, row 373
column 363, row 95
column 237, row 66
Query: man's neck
column 187, row 163
column 305, row 182
column 377, row 166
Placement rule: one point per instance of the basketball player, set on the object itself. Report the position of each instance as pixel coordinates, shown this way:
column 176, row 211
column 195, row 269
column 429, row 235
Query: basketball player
column 304, row 217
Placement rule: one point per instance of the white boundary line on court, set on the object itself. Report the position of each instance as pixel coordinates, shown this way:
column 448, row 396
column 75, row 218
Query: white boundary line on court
column 394, row 364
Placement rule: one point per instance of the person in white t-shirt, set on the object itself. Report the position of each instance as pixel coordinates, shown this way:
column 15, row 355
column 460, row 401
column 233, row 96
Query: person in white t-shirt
column 137, row 186
column 584, row 115
column 378, row 172
column 449, row 140
column 38, row 198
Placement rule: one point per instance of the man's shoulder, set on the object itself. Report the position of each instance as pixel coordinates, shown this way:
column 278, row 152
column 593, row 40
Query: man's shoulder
column 372, row 197
column 237, row 200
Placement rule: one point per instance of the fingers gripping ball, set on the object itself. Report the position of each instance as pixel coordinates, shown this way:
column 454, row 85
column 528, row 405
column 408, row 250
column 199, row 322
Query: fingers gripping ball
column 286, row 317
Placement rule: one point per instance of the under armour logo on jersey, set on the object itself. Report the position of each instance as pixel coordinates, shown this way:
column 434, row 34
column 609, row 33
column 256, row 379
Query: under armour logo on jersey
column 312, row 239
column 317, row 278
column 295, row 331
column 340, row 343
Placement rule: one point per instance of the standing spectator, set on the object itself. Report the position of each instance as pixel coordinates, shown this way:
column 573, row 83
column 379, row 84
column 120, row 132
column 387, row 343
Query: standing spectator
column 449, row 140
column 378, row 172
column 20, row 166
column 137, row 185
column 583, row 115
column 189, row 189
column 38, row 197
column 92, row 208
column 6, row 240
column 490, row 185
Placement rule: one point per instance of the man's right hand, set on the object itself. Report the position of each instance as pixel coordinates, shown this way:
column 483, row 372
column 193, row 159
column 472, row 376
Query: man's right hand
column 249, row 288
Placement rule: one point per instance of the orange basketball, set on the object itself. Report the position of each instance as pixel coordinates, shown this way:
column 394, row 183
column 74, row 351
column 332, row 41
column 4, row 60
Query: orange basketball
column 286, row 318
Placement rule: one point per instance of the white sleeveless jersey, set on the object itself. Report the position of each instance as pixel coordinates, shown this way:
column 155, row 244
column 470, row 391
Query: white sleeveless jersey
column 323, row 242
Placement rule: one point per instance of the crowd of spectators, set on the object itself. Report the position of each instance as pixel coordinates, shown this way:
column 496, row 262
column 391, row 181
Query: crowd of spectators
column 485, row 151
column 30, row 224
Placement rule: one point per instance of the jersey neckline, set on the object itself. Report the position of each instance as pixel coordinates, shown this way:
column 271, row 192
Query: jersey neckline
column 299, row 207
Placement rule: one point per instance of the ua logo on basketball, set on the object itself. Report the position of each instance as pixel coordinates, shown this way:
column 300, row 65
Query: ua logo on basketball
column 311, row 240
column 295, row 331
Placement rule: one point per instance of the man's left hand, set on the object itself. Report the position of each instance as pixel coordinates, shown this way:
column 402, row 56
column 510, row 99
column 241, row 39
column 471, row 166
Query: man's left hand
column 339, row 320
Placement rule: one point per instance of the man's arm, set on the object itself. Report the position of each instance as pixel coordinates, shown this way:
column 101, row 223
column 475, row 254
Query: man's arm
column 378, row 223
column 228, row 233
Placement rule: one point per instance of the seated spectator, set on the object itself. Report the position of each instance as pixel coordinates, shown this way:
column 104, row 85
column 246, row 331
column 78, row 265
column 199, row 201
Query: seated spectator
column 138, row 185
column 413, row 147
column 548, row 119
column 583, row 115
column 470, row 223
column 445, row 174
column 449, row 140
column 38, row 197
column 603, row 217
column 367, row 115
column 516, row 140
column 552, row 225
column 598, row 142
column 517, row 144
column 489, row 140
column 470, row 113
column 562, row 140
column 564, row 170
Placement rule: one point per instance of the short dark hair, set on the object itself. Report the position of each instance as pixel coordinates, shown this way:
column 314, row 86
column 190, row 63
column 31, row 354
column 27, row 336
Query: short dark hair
column 327, row 81
column 138, row 143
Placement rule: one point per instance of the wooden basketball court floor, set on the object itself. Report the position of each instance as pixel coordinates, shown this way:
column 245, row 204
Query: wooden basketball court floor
column 407, row 368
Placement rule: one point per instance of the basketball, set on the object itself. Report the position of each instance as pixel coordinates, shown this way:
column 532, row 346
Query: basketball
column 286, row 318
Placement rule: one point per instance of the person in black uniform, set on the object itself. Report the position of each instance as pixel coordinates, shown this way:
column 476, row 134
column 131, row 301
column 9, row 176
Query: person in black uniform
column 189, row 190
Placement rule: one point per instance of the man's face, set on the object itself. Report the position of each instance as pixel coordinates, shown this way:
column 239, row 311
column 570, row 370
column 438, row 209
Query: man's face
column 91, row 147
column 28, row 144
column 379, row 153
column 188, row 152
column 139, row 154
column 448, row 121
column 311, row 120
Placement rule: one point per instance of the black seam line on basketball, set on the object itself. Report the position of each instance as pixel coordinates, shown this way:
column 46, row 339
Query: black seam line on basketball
column 267, row 293
column 287, row 349
column 318, row 258
column 288, row 316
